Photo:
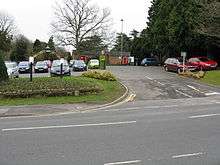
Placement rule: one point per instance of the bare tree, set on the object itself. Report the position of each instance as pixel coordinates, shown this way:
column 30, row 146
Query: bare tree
column 7, row 29
column 78, row 19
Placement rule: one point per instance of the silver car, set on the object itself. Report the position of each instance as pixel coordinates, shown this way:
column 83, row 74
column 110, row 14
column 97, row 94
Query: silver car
column 12, row 69
column 56, row 68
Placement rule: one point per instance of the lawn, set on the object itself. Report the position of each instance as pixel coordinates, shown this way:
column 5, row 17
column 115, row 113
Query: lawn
column 212, row 78
column 111, row 90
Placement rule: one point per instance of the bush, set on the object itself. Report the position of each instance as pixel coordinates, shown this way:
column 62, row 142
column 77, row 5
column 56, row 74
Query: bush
column 3, row 70
column 50, row 86
column 101, row 75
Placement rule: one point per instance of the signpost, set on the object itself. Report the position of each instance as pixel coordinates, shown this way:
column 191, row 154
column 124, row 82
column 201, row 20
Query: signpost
column 183, row 54
column 31, row 61
column 61, row 67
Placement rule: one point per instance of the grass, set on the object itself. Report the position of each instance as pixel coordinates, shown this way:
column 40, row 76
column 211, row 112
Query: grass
column 212, row 78
column 112, row 90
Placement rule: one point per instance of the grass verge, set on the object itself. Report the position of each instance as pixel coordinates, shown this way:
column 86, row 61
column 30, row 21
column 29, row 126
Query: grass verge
column 112, row 91
column 212, row 78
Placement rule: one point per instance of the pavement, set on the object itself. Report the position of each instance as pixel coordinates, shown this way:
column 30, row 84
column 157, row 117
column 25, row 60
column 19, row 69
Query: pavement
column 158, row 127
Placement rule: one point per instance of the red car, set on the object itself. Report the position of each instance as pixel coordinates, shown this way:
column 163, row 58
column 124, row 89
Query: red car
column 173, row 64
column 203, row 63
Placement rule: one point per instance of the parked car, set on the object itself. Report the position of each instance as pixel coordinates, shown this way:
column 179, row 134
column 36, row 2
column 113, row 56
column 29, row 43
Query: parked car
column 174, row 64
column 71, row 63
column 203, row 63
column 41, row 67
column 48, row 62
column 12, row 69
column 79, row 65
column 149, row 62
column 56, row 68
column 24, row 67
column 93, row 64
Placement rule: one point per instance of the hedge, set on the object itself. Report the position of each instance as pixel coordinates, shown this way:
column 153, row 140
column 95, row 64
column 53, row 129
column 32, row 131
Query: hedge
column 51, row 86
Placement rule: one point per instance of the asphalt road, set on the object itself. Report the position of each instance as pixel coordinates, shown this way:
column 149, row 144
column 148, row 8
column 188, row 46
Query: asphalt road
column 154, row 129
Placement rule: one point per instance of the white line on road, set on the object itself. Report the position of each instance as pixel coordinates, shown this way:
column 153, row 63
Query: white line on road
column 149, row 78
column 212, row 93
column 68, row 126
column 127, row 162
column 187, row 155
column 195, row 89
column 203, row 116
column 184, row 94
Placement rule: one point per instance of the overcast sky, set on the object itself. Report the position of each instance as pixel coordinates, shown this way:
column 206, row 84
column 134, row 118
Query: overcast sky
column 33, row 17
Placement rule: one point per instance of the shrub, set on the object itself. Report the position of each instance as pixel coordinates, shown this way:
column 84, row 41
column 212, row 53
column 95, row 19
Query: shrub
column 101, row 75
column 22, row 88
column 3, row 70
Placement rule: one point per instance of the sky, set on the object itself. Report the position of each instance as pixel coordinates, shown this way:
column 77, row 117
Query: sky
column 33, row 17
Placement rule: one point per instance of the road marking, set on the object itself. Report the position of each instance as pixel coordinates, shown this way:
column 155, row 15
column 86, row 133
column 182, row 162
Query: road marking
column 212, row 93
column 183, row 93
column 187, row 155
column 159, row 83
column 192, row 87
column 68, row 126
column 126, row 162
column 149, row 78
column 203, row 116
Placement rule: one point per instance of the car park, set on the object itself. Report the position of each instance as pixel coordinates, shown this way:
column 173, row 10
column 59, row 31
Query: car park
column 176, row 65
column 56, row 68
column 203, row 63
column 12, row 69
column 79, row 65
column 93, row 64
column 149, row 62
column 24, row 67
column 41, row 67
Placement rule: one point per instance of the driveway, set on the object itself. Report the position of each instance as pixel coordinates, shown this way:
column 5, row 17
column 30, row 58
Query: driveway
column 153, row 83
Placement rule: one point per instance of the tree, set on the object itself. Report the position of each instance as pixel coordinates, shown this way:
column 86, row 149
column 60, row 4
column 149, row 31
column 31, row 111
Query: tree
column 76, row 20
column 37, row 46
column 92, row 44
column 126, row 43
column 3, row 69
column 20, row 52
column 51, row 44
column 7, row 28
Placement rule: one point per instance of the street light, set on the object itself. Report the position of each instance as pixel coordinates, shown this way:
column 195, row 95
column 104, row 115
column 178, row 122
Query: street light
column 122, row 21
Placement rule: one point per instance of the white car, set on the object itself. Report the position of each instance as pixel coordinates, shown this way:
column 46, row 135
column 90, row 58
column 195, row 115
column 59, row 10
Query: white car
column 12, row 69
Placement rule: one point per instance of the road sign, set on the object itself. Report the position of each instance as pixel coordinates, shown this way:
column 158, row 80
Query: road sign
column 31, row 59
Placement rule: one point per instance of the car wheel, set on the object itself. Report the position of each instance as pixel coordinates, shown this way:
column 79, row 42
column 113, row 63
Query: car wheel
column 166, row 69
column 179, row 70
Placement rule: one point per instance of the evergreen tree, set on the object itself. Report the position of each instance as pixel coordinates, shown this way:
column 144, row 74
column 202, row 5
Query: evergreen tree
column 126, row 43
column 3, row 69
column 20, row 52
column 51, row 44
column 37, row 47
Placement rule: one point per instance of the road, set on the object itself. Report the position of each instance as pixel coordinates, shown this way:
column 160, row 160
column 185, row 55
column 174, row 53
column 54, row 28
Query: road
column 157, row 128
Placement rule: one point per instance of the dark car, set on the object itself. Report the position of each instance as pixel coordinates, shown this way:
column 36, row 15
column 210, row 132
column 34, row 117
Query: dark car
column 203, row 63
column 56, row 68
column 79, row 65
column 176, row 65
column 24, row 67
column 41, row 67
column 149, row 62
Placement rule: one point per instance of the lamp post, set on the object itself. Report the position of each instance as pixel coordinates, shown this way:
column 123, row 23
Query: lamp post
column 31, row 61
column 122, row 40
column 61, row 67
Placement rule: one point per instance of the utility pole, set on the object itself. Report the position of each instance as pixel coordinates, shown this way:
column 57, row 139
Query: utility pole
column 122, row 40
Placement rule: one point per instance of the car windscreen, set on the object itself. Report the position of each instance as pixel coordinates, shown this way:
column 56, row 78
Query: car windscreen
column 58, row 63
column 40, row 64
column 24, row 64
column 203, row 59
column 10, row 65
